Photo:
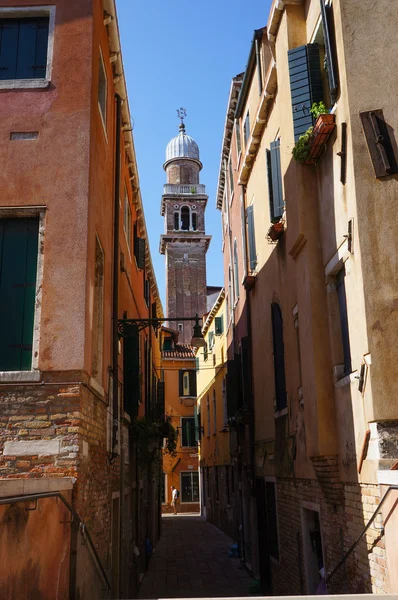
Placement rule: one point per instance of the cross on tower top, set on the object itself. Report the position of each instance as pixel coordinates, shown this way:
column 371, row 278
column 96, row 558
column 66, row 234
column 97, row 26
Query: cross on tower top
column 182, row 113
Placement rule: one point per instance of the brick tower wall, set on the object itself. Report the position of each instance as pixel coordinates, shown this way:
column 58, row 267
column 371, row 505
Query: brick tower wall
column 186, row 283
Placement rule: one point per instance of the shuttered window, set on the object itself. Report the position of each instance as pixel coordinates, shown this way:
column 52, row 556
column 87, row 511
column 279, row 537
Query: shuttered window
column 274, row 173
column 344, row 320
column 18, row 271
column 139, row 249
column 305, row 85
column 131, row 371
column 236, row 271
column 160, row 406
column 246, row 128
column 238, row 140
column 279, row 356
column 252, row 239
column 331, row 62
column 219, row 325
column 188, row 436
column 23, row 48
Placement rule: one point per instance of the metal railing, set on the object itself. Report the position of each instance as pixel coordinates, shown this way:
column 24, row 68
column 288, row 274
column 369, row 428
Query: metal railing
column 172, row 188
column 76, row 518
column 354, row 545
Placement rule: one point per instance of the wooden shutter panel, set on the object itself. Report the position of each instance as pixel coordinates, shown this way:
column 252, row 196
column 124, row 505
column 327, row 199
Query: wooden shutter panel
column 131, row 371
column 219, row 325
column 232, row 395
column 330, row 62
column 192, row 383
column 305, row 85
column 252, row 239
column 32, row 48
column 139, row 251
column 345, row 334
column 181, row 382
column 9, row 32
column 160, row 396
column 18, row 271
column 279, row 356
column 276, row 174
column 246, row 374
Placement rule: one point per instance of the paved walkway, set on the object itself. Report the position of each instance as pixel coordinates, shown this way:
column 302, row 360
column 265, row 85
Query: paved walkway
column 191, row 561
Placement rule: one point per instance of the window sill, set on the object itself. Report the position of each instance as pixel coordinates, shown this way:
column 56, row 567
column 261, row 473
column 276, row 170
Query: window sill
column 23, row 84
column 347, row 380
column 280, row 413
column 19, row 376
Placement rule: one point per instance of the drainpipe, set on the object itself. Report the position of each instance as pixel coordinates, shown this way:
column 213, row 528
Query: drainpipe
column 115, row 338
column 258, row 62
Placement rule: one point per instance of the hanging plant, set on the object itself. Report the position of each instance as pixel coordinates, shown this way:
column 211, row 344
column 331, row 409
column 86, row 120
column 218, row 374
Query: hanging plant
column 145, row 432
column 302, row 149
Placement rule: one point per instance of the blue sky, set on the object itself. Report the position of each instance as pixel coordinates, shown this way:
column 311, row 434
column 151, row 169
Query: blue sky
column 183, row 54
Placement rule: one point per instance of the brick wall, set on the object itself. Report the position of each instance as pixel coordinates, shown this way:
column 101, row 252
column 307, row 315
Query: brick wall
column 365, row 571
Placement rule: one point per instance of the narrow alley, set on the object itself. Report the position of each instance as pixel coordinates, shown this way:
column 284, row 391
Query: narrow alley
column 191, row 560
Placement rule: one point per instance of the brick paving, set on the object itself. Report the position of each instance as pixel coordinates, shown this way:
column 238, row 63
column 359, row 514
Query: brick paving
column 191, row 561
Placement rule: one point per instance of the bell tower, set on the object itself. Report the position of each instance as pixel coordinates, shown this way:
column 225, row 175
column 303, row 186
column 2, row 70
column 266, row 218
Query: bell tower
column 184, row 242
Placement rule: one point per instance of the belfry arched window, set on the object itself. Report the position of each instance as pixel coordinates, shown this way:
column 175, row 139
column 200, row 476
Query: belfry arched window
column 185, row 218
column 176, row 221
column 194, row 222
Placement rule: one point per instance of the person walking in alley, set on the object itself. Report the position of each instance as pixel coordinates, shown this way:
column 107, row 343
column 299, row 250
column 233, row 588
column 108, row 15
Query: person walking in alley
column 174, row 498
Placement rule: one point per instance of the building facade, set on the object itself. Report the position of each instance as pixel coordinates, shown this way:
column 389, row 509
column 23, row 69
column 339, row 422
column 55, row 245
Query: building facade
column 184, row 242
column 215, row 458
column 74, row 262
column 181, row 468
column 319, row 295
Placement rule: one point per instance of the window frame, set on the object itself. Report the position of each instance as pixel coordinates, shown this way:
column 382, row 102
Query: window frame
column 103, row 115
column 26, row 12
column 34, row 374
column 214, row 412
column 127, row 222
column 246, row 128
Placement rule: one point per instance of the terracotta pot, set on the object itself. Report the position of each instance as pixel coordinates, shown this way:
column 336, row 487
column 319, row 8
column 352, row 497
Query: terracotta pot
column 323, row 129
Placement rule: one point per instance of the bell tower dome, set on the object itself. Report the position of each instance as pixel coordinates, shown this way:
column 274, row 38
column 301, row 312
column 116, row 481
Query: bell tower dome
column 184, row 242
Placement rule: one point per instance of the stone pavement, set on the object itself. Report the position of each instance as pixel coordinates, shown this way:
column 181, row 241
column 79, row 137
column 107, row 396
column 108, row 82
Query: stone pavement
column 191, row 561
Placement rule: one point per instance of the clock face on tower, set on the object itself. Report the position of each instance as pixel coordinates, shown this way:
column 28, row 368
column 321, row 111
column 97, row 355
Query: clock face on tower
column 184, row 242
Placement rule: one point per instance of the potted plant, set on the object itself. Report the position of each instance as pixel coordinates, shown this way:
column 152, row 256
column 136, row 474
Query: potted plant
column 275, row 231
column 310, row 145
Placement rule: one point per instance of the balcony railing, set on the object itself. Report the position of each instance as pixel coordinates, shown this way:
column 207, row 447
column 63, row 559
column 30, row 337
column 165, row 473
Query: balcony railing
column 171, row 188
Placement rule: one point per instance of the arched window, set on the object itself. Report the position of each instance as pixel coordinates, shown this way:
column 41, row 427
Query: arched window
column 194, row 224
column 279, row 356
column 176, row 221
column 236, row 271
column 185, row 218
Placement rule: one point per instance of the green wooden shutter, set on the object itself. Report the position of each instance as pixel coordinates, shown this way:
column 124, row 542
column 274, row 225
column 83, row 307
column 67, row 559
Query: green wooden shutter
column 252, row 239
column 305, row 85
column 197, row 363
column 18, row 271
column 9, row 32
column 192, row 383
column 330, row 62
column 279, row 356
column 32, row 48
column 139, row 251
column 276, row 174
column 232, row 389
column 246, row 371
column 270, row 190
column 160, row 398
column 131, row 371
column 219, row 325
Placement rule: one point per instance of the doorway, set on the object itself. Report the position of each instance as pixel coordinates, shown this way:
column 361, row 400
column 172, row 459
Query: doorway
column 262, row 533
column 115, row 547
column 312, row 546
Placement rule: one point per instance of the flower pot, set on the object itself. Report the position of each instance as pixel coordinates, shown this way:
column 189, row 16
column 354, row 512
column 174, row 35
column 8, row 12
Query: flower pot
column 323, row 129
column 276, row 231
